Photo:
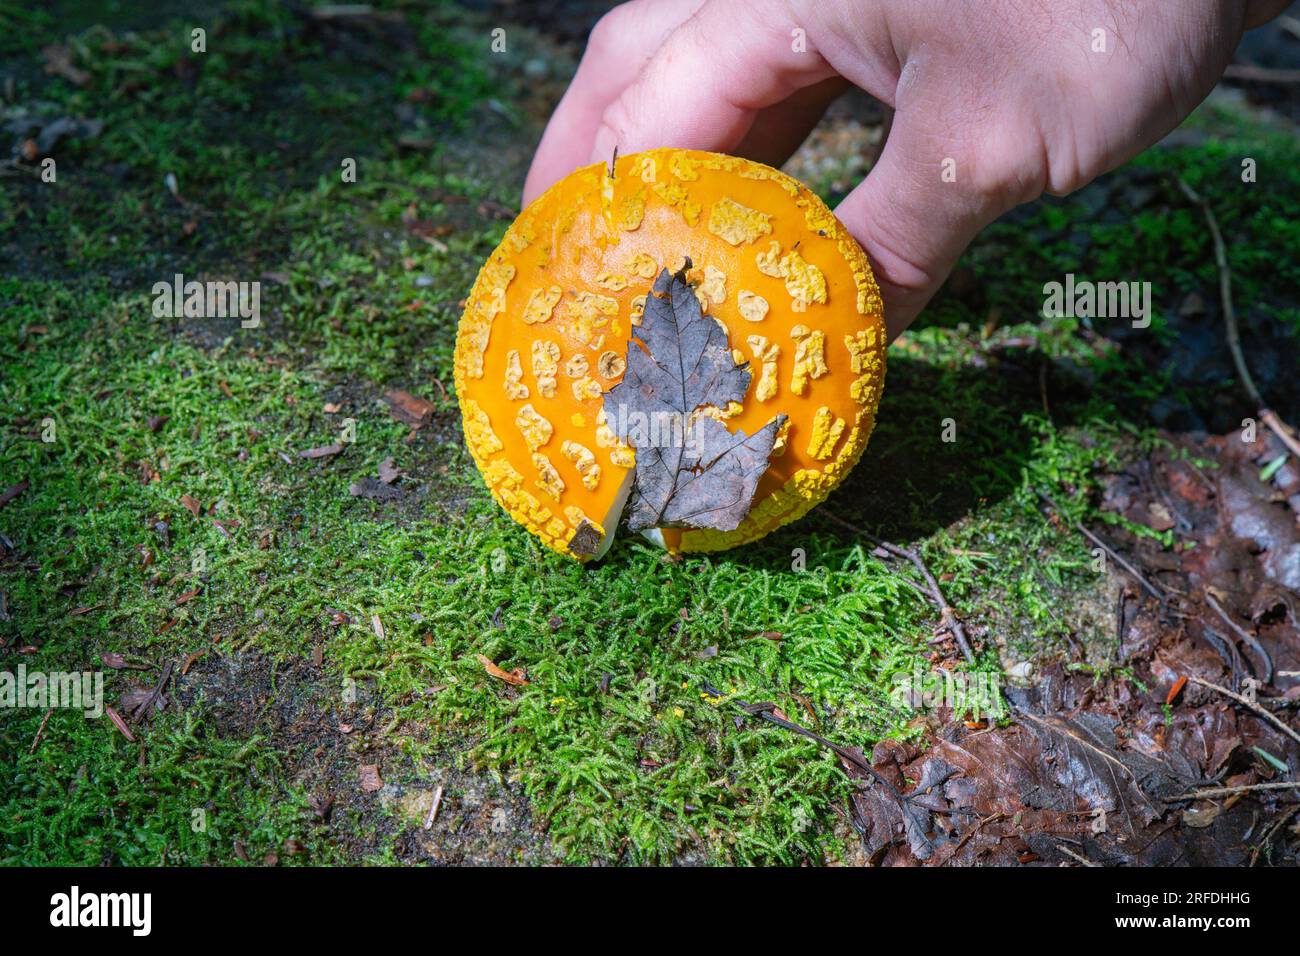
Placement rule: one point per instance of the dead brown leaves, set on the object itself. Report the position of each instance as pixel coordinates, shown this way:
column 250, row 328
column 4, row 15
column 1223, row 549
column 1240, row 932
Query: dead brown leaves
column 515, row 677
column 416, row 412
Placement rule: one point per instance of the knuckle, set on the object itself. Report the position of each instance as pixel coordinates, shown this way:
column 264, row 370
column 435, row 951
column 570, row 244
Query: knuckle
column 617, row 121
column 606, row 35
column 1009, row 167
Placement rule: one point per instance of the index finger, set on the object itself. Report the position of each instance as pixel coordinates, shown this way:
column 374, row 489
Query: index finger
column 621, row 43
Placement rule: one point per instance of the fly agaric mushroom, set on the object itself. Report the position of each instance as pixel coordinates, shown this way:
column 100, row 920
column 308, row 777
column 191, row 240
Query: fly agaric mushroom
column 557, row 313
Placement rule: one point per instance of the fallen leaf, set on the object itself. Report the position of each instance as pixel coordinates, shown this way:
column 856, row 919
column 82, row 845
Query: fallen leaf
column 324, row 451
column 58, row 62
column 374, row 490
column 699, row 474
column 370, row 779
column 192, row 504
column 410, row 410
column 119, row 723
column 190, row 658
column 515, row 677
column 13, row 491
column 132, row 699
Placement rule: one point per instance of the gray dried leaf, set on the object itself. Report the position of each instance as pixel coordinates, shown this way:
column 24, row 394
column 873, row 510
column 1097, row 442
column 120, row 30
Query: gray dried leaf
column 691, row 471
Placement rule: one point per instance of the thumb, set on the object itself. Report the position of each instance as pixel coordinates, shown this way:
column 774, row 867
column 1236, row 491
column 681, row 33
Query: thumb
column 705, row 85
column 914, row 215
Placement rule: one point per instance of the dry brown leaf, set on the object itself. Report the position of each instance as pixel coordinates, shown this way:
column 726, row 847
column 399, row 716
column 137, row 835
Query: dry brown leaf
column 119, row 723
column 515, row 677
column 410, row 410
column 58, row 62
column 324, row 451
column 388, row 471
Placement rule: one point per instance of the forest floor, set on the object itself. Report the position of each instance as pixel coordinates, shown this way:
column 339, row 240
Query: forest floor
column 1110, row 530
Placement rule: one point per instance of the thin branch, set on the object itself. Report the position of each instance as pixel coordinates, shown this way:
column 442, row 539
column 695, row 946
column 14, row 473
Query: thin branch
column 1225, row 292
column 1266, row 714
column 764, row 710
column 1231, row 330
column 1251, row 641
column 1212, row 792
column 1281, row 429
column 1114, row 555
column 1267, row 838
column 1261, row 74
column 1075, row 856
column 40, row 731
column 154, row 694
column 433, row 808
column 948, row 619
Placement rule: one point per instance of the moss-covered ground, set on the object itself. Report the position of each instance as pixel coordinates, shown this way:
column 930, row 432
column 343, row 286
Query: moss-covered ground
column 331, row 632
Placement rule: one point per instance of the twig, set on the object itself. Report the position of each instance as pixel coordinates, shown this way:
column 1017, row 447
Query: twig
column 1231, row 330
column 1114, row 555
column 1250, row 639
column 1261, row 74
column 1042, row 388
column 433, row 808
column 948, row 619
column 1121, row 621
column 1281, row 429
column 1075, row 856
column 1267, row 715
column 1213, row 792
column 1267, row 838
column 764, row 710
column 13, row 491
column 40, row 731
column 148, row 702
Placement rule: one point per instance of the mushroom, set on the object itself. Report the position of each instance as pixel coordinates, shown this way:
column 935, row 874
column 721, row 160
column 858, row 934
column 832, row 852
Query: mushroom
column 546, row 330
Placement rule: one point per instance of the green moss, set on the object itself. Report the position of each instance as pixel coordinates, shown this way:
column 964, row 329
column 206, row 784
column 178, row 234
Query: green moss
column 622, row 756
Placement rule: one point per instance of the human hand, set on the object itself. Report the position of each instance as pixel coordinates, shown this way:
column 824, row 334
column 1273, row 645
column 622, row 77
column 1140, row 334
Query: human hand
column 995, row 101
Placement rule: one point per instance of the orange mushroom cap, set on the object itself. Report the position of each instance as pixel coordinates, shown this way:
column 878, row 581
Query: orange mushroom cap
column 547, row 326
